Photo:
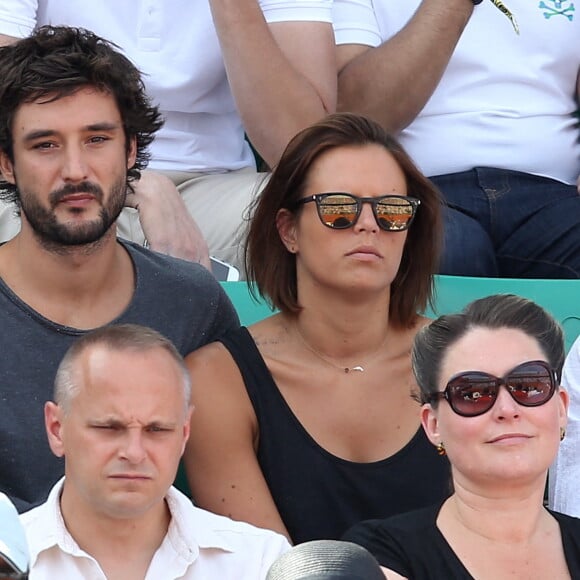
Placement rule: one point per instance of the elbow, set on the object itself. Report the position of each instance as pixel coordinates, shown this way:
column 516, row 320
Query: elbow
column 271, row 147
column 390, row 118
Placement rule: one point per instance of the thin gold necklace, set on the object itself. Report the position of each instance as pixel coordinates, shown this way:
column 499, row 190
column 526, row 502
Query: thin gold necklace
column 346, row 370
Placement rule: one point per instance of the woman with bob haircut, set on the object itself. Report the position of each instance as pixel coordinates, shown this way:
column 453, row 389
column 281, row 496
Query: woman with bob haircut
column 304, row 422
column 489, row 383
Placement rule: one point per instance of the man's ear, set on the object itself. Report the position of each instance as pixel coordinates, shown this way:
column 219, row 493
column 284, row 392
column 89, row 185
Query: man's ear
column 132, row 152
column 286, row 224
column 430, row 424
column 54, row 430
column 187, row 427
column 7, row 168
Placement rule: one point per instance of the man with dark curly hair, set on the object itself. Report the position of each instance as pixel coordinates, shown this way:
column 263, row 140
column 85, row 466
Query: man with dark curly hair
column 74, row 128
column 224, row 73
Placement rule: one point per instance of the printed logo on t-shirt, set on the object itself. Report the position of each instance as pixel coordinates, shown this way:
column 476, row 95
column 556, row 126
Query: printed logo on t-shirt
column 552, row 8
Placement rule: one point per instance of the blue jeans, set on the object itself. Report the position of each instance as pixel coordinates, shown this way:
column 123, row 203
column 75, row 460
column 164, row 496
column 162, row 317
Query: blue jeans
column 509, row 224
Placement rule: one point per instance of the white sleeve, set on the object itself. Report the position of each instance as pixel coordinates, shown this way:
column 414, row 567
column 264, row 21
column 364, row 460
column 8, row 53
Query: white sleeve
column 564, row 491
column 355, row 22
column 17, row 17
column 297, row 10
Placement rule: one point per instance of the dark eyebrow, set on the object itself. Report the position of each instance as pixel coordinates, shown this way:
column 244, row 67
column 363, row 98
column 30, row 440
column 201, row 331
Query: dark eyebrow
column 104, row 126
column 41, row 133
column 33, row 135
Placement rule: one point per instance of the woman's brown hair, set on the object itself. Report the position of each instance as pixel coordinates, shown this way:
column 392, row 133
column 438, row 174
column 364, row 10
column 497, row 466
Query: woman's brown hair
column 272, row 269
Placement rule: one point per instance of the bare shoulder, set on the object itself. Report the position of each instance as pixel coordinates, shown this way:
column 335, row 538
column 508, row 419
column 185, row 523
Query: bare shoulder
column 207, row 358
column 270, row 334
column 218, row 395
column 215, row 360
column 218, row 388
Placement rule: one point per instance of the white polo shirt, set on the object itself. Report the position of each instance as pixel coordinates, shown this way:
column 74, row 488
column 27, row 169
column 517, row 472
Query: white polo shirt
column 505, row 100
column 175, row 44
column 199, row 545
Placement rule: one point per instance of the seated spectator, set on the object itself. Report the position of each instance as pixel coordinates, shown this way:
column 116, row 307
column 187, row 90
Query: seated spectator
column 74, row 126
column 488, row 380
column 13, row 547
column 305, row 423
column 565, row 472
column 493, row 124
column 214, row 68
column 120, row 418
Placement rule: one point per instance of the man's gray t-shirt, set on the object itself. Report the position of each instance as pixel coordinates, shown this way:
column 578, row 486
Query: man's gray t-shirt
column 180, row 299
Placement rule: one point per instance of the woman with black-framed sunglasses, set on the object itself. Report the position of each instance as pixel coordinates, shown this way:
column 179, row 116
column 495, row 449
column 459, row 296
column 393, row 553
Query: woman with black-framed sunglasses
column 303, row 422
column 489, row 384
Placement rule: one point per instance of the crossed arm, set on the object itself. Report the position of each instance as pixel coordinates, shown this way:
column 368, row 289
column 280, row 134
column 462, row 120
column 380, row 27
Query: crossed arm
column 392, row 82
column 282, row 75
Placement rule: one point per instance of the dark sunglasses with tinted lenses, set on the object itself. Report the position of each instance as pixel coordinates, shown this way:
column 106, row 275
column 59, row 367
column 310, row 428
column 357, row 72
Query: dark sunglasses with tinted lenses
column 339, row 211
column 474, row 393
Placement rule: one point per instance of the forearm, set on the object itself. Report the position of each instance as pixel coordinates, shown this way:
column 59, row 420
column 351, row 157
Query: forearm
column 282, row 75
column 392, row 82
column 167, row 225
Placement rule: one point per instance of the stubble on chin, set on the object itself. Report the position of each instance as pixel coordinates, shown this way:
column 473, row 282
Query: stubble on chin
column 66, row 238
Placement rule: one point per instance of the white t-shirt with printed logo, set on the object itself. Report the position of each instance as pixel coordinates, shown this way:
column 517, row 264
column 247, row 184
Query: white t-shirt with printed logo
column 505, row 100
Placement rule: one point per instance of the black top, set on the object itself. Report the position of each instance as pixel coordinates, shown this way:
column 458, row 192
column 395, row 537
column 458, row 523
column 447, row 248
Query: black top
column 319, row 495
column 412, row 545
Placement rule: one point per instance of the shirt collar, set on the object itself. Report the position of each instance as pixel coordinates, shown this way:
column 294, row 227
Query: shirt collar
column 45, row 526
column 189, row 531
column 192, row 526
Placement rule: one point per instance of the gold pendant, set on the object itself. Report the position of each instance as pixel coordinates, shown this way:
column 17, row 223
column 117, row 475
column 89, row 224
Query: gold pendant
column 357, row 368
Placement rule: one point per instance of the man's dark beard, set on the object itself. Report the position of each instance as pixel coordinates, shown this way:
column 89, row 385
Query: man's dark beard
column 52, row 234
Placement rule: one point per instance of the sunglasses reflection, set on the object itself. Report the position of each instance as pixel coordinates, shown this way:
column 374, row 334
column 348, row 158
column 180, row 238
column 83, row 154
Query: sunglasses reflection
column 393, row 213
column 473, row 393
